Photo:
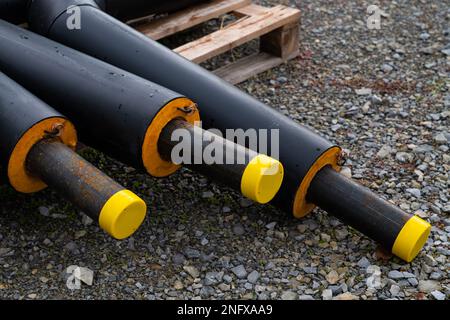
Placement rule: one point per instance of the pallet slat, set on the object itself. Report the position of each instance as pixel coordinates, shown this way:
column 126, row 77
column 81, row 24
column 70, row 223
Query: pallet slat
column 190, row 17
column 236, row 34
column 248, row 67
column 277, row 28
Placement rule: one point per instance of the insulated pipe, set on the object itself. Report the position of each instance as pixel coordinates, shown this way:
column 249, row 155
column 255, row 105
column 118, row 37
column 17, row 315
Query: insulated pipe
column 115, row 111
column 302, row 152
column 131, row 9
column 36, row 145
column 382, row 219
column 257, row 176
column 14, row 11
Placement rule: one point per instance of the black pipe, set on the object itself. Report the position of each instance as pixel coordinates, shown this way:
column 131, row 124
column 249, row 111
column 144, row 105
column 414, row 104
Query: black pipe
column 257, row 176
column 302, row 152
column 131, row 9
column 14, row 11
column 36, row 144
column 380, row 219
column 115, row 111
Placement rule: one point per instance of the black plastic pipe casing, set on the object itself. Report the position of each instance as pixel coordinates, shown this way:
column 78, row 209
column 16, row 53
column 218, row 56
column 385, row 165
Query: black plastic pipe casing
column 227, row 173
column 131, row 9
column 14, row 11
column 19, row 111
column 222, row 105
column 381, row 219
column 111, row 108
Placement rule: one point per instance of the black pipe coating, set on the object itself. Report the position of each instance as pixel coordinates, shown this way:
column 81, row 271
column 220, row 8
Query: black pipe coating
column 131, row 9
column 227, row 173
column 14, row 11
column 380, row 220
column 19, row 111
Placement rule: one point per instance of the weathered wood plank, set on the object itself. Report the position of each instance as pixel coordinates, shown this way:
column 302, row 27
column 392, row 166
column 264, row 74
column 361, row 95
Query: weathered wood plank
column 238, row 33
column 249, row 67
column 190, row 17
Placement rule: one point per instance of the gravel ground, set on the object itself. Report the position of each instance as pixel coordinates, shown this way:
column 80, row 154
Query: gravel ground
column 381, row 94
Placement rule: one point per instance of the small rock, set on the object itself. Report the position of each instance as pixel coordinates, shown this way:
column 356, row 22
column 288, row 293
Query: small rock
column 363, row 91
column 310, row 270
column 413, row 282
column 207, row 194
column 224, row 287
column 384, row 152
column 341, row 234
column 327, row 294
column 438, row 295
column 192, row 271
column 428, row 286
column 325, row 237
column 288, row 295
column 253, row 277
column 335, row 127
column 429, row 260
column 415, row 192
column 210, row 279
column 71, row 247
column 86, row 220
column 363, row 263
column 394, row 274
column 424, row 36
column 376, row 99
column 44, row 211
column 238, row 229
column 80, row 234
column 192, row 253
column 245, row 203
column 178, row 259
column 440, row 138
column 226, row 209
column 178, row 285
column 332, row 277
column 346, row 172
column 394, row 290
column 404, row 157
column 271, row 225
column 306, row 297
column 346, row 296
column 387, row 68
column 240, row 271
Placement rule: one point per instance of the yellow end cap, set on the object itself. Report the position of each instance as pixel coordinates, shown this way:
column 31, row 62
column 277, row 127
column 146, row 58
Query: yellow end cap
column 262, row 179
column 122, row 214
column 411, row 239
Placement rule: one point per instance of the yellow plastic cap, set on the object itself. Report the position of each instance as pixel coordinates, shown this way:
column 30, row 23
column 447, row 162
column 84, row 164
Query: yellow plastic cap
column 122, row 214
column 262, row 179
column 411, row 239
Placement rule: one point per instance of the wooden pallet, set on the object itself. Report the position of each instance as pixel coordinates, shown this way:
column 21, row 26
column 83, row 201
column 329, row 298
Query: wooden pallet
column 276, row 27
